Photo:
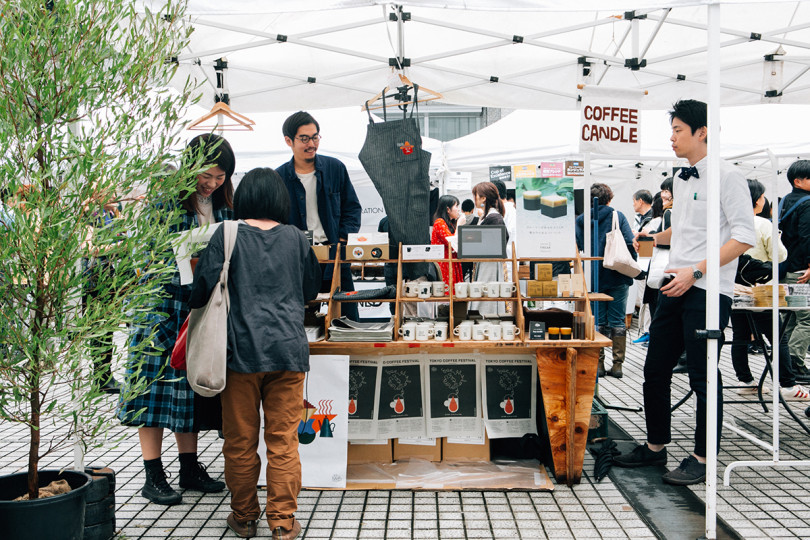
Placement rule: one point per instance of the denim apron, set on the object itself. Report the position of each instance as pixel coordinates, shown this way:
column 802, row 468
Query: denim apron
column 392, row 156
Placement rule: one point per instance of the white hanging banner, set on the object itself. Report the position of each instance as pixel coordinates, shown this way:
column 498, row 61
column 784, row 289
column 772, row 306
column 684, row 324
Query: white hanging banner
column 323, row 430
column 400, row 397
column 363, row 374
column 610, row 121
column 452, row 383
column 509, row 390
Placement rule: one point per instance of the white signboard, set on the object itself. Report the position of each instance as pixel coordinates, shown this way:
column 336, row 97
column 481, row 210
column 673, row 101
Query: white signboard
column 545, row 216
column 459, row 181
column 323, row 429
column 610, row 121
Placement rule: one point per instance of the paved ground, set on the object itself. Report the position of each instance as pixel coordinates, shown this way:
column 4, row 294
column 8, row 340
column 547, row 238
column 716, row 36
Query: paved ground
column 760, row 503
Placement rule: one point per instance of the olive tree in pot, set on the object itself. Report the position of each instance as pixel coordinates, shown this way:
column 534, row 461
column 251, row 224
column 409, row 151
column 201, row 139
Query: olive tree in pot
column 85, row 123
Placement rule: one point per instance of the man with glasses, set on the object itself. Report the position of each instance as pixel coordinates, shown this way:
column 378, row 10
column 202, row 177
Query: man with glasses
column 322, row 198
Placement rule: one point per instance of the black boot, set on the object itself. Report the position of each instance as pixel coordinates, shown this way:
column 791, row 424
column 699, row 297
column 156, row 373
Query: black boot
column 157, row 488
column 102, row 368
column 194, row 476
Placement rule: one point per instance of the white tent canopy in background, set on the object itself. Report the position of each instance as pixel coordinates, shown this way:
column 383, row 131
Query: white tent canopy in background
column 515, row 54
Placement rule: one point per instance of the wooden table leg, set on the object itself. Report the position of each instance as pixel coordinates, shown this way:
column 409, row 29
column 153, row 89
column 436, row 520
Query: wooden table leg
column 567, row 381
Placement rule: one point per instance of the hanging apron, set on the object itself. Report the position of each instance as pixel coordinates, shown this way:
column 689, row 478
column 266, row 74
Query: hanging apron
column 392, row 156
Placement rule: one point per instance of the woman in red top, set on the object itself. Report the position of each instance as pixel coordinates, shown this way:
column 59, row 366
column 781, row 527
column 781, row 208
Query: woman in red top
column 444, row 225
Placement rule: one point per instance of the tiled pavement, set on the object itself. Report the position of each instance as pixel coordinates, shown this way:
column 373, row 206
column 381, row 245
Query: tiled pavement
column 760, row 503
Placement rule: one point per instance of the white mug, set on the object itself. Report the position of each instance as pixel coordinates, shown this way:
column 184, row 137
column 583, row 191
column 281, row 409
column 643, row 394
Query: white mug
column 440, row 331
column 493, row 289
column 439, row 288
column 509, row 331
column 507, row 289
column 462, row 289
column 463, row 331
column 476, row 289
column 411, row 289
column 408, row 331
column 424, row 331
column 425, row 288
column 479, row 332
column 493, row 332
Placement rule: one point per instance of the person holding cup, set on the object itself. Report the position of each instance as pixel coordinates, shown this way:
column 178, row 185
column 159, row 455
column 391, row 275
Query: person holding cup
column 444, row 225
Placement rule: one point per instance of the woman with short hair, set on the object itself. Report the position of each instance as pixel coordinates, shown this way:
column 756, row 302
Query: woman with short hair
column 273, row 273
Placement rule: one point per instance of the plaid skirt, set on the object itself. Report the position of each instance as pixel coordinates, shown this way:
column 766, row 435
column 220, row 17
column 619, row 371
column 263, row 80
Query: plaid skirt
column 169, row 402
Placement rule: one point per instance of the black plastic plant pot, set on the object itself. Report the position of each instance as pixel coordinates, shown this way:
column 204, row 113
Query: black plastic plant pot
column 57, row 518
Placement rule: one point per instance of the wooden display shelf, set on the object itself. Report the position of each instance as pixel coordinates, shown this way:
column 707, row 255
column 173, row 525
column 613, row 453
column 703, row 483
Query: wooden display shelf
column 441, row 299
column 592, row 297
column 383, row 300
column 486, row 299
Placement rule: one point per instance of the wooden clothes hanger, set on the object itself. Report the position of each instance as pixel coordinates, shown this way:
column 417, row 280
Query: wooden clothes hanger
column 240, row 122
column 430, row 95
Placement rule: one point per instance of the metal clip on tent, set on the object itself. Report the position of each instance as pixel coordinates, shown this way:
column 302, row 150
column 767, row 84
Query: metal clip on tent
column 221, row 110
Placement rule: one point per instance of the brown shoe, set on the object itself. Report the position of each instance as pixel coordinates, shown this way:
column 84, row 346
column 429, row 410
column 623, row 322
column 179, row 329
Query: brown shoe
column 243, row 530
column 280, row 533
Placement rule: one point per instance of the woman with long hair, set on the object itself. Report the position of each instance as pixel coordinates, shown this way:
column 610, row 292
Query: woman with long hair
column 170, row 403
column 444, row 225
column 486, row 197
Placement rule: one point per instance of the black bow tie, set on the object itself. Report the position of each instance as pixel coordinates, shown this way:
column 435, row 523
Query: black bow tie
column 686, row 172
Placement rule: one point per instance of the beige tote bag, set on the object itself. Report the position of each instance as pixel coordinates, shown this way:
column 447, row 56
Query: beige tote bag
column 617, row 257
column 207, row 347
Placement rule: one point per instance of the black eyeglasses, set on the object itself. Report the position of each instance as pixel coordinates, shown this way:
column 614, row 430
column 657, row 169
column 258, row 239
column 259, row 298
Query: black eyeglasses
column 306, row 138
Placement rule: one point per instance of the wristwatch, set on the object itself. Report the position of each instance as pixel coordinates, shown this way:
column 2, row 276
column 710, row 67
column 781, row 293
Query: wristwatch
column 697, row 274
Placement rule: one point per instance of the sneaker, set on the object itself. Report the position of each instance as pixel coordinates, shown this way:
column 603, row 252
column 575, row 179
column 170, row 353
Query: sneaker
column 752, row 390
column 795, row 393
column 641, row 456
column 196, row 477
column 242, row 530
column 280, row 533
column 801, row 372
column 158, row 490
column 689, row 472
column 643, row 338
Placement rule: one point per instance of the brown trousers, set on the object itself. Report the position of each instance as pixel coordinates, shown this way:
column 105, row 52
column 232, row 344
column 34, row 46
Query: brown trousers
column 281, row 395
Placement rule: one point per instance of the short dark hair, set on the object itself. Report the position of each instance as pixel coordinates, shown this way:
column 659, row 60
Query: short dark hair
column 757, row 190
column 799, row 170
column 602, row 192
column 501, row 188
column 643, row 195
column 262, row 195
column 691, row 112
column 217, row 152
column 510, row 194
column 666, row 185
column 446, row 202
column 657, row 206
column 467, row 205
column 295, row 121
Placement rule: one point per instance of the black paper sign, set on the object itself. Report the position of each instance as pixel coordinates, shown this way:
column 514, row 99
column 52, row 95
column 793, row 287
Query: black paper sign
column 362, row 380
column 537, row 330
column 400, row 392
column 500, row 172
column 509, row 390
column 452, row 391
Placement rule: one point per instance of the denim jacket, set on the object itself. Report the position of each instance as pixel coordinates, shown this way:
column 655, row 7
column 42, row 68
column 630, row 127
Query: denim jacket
column 338, row 205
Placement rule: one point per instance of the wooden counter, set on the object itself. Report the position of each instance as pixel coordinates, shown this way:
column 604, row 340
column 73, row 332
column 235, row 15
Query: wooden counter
column 567, row 372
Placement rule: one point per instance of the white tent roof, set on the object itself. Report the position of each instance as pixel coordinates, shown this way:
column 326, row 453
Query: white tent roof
column 517, row 54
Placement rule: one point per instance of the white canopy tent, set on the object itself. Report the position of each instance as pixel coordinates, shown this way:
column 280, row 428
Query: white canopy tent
column 515, row 54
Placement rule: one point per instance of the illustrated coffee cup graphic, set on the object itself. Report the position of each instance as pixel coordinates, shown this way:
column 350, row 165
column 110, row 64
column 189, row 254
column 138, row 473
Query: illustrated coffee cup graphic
column 451, row 403
column 508, row 405
column 398, row 405
column 531, row 200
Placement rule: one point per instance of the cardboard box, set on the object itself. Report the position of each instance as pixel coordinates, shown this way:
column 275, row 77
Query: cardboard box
column 456, row 452
column 418, row 451
column 564, row 285
column 359, row 453
column 543, row 272
column 577, row 285
column 550, row 288
column 322, row 252
column 367, row 247
column 537, row 289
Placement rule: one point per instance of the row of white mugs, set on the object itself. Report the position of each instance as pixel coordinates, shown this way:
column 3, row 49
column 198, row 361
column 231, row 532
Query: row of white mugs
column 475, row 289
column 466, row 331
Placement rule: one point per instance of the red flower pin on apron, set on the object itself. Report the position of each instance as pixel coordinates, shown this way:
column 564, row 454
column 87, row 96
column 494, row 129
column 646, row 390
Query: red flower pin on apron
column 407, row 148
